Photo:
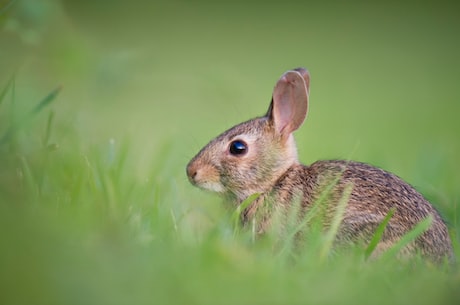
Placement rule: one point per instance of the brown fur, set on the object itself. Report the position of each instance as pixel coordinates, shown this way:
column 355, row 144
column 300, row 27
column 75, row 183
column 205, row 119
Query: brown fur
column 270, row 167
column 375, row 192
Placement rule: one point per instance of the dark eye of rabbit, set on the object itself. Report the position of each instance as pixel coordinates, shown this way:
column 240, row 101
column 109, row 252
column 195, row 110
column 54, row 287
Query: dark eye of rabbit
column 238, row 148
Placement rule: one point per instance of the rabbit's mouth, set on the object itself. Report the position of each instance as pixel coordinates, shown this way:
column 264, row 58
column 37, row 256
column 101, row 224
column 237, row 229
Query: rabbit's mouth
column 210, row 186
column 201, row 177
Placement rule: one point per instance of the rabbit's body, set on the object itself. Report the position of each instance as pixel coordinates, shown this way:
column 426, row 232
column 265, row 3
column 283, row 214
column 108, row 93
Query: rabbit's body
column 374, row 193
column 260, row 156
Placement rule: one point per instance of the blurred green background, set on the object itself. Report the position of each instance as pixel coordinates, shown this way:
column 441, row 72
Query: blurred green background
column 384, row 76
column 145, row 84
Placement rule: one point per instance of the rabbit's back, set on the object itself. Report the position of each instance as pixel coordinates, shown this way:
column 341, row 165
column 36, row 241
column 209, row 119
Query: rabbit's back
column 374, row 192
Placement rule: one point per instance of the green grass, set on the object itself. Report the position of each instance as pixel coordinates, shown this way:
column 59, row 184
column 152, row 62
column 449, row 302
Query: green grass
column 95, row 207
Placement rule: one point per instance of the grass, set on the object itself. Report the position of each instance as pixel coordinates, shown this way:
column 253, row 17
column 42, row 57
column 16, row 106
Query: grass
column 95, row 207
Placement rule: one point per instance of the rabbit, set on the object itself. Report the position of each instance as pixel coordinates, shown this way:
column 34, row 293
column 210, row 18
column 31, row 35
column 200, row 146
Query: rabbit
column 260, row 156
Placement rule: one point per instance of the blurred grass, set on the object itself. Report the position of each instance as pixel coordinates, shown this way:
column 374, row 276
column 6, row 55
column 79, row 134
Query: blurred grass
column 95, row 207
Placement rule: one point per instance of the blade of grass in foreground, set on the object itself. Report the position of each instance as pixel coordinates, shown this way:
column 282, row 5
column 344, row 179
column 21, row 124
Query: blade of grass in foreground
column 29, row 180
column 310, row 215
column 42, row 104
column 46, row 101
column 378, row 234
column 236, row 217
column 421, row 227
column 6, row 89
column 313, row 213
column 49, row 124
column 338, row 216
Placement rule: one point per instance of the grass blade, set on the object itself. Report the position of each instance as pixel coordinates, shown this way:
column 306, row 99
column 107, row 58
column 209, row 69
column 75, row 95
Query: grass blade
column 6, row 89
column 306, row 219
column 312, row 213
column 338, row 216
column 315, row 209
column 378, row 234
column 49, row 124
column 16, row 126
column 421, row 227
column 30, row 183
column 46, row 101
column 236, row 216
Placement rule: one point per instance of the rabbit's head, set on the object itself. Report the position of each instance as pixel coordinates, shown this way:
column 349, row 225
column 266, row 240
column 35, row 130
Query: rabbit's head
column 250, row 157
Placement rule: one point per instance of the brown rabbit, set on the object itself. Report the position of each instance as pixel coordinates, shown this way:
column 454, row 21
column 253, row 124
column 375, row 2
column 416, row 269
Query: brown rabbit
column 260, row 156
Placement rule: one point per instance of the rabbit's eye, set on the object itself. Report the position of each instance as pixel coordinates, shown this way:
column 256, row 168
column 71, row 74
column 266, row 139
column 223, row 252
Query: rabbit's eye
column 238, row 147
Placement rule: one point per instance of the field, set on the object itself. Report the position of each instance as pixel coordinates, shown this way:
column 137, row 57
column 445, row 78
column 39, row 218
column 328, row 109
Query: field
column 103, row 103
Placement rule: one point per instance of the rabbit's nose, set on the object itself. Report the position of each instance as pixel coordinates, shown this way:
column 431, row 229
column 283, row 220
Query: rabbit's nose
column 191, row 172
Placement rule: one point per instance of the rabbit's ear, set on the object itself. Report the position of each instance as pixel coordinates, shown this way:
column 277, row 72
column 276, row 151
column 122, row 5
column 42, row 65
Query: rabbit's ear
column 289, row 105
